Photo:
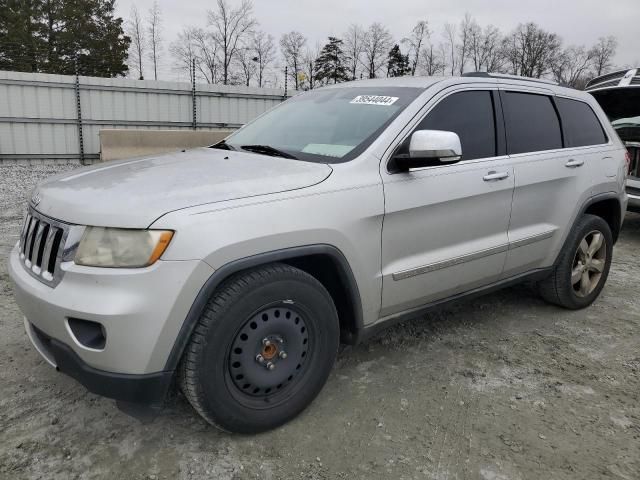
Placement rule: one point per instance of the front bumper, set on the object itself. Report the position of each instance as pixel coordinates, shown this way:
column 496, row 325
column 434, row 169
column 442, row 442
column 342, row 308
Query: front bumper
column 140, row 310
column 145, row 389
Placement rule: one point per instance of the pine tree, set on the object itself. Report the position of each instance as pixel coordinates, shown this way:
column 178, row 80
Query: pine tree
column 397, row 64
column 330, row 65
column 46, row 36
column 21, row 40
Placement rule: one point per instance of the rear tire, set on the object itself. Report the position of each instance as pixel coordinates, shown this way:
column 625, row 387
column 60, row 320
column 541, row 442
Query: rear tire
column 262, row 350
column 582, row 267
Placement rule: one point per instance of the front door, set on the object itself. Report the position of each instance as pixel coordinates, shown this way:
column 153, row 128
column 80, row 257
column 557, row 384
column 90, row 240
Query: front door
column 445, row 227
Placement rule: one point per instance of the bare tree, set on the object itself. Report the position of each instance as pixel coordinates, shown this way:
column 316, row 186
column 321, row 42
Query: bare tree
column 492, row 56
column 230, row 28
column 247, row 62
column 154, row 32
column 570, row 66
column 484, row 48
column 354, row 39
column 183, row 50
column 530, row 51
column 264, row 53
column 419, row 34
column 292, row 45
column 603, row 53
column 135, row 30
column 207, row 50
column 476, row 50
column 432, row 60
column 466, row 27
column 376, row 46
column 450, row 38
column 310, row 68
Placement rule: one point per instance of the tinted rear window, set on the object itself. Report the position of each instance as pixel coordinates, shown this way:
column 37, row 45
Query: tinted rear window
column 532, row 123
column 581, row 126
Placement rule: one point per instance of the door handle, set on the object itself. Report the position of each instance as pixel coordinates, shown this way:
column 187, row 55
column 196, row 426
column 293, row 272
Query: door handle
column 574, row 163
column 494, row 176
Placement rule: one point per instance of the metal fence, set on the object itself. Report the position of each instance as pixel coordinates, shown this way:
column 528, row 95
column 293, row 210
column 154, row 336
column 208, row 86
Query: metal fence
column 56, row 118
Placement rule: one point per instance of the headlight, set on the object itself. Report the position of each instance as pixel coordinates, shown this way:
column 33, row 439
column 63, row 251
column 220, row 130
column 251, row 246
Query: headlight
column 119, row 247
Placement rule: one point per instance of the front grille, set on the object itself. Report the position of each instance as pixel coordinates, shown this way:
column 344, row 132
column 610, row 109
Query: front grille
column 42, row 246
column 635, row 80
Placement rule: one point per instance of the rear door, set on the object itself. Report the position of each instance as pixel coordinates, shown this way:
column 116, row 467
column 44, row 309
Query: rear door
column 445, row 226
column 551, row 179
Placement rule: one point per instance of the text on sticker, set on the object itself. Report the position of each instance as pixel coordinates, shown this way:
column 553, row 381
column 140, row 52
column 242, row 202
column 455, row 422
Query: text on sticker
column 374, row 100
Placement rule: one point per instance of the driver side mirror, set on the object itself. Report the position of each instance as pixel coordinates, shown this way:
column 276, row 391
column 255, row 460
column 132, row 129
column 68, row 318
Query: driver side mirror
column 429, row 148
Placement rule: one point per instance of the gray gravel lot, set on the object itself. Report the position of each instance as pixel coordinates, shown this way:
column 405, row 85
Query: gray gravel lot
column 501, row 387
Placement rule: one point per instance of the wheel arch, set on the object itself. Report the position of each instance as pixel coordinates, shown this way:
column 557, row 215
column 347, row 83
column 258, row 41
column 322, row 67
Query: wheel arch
column 609, row 208
column 324, row 262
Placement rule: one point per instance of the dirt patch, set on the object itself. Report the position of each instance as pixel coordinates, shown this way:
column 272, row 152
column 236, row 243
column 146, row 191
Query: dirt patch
column 502, row 387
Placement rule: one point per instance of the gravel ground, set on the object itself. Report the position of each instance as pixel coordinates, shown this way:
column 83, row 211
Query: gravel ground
column 502, row 387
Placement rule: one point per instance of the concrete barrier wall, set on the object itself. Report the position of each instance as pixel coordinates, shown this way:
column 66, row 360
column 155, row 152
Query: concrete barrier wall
column 116, row 144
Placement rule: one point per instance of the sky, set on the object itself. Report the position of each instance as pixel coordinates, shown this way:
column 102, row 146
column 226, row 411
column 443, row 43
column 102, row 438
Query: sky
column 576, row 21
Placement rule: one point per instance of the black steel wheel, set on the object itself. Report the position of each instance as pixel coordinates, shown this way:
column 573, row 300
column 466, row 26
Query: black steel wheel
column 262, row 350
column 268, row 354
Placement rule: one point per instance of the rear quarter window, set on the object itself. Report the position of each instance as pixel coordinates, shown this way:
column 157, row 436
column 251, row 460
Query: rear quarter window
column 580, row 123
column 532, row 123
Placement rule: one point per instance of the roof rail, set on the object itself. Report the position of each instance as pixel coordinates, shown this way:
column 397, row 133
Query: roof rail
column 508, row 77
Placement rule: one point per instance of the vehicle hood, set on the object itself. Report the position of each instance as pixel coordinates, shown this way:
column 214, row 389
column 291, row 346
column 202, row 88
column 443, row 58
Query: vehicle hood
column 134, row 193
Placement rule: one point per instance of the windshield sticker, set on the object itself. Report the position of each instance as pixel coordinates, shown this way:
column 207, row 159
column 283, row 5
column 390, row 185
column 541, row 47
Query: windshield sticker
column 337, row 151
column 374, row 100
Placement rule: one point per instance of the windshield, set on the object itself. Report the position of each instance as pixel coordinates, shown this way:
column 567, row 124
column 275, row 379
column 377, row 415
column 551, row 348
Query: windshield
column 328, row 125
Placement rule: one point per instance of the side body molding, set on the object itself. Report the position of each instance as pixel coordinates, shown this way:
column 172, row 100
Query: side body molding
column 236, row 266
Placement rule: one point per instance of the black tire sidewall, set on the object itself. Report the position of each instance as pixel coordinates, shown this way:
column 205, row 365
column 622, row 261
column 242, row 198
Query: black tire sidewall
column 212, row 365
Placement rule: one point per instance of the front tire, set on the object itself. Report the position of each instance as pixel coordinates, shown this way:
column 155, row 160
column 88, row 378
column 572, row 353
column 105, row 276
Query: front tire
column 262, row 350
column 582, row 267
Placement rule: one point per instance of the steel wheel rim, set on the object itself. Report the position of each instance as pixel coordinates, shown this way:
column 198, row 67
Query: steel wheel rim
column 268, row 355
column 589, row 263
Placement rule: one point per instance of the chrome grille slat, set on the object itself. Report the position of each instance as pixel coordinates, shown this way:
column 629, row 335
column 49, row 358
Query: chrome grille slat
column 46, row 254
column 27, row 229
column 23, row 233
column 43, row 244
column 35, row 266
column 28, row 247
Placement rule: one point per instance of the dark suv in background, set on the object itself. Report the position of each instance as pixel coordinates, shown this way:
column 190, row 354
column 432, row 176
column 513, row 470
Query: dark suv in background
column 619, row 95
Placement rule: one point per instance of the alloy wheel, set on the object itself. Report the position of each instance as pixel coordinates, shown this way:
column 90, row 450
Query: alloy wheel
column 589, row 263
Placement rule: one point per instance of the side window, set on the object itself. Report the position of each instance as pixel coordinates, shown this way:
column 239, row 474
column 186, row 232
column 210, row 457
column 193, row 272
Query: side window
column 580, row 124
column 470, row 115
column 531, row 122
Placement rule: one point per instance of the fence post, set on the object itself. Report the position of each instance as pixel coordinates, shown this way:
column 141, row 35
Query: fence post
column 194, row 120
column 79, row 111
column 286, row 77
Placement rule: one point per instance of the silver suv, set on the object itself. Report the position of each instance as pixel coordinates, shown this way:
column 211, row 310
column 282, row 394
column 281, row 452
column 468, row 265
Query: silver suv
column 237, row 270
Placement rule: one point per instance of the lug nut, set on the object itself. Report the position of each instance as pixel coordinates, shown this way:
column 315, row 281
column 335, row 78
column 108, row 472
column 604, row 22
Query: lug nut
column 266, row 342
column 270, row 366
column 259, row 358
column 283, row 355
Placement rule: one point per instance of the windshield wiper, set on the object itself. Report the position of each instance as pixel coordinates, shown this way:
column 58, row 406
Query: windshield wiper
column 268, row 150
